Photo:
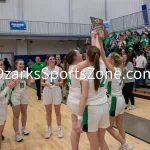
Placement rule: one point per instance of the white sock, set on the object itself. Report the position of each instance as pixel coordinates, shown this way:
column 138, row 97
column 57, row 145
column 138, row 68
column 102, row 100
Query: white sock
column 59, row 127
column 49, row 127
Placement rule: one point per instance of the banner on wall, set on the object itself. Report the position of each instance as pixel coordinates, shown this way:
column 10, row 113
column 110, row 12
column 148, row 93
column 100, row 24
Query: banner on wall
column 107, row 24
column 17, row 25
column 145, row 14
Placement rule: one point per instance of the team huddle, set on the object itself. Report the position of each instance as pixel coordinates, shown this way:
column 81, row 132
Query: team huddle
column 95, row 104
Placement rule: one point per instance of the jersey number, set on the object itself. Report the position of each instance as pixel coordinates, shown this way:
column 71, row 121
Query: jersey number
column 102, row 84
column 21, row 85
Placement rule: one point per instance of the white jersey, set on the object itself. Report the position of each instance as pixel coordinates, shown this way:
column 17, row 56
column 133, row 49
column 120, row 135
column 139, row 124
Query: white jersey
column 51, row 76
column 74, row 86
column 23, row 76
column 95, row 97
column 114, row 86
column 4, row 98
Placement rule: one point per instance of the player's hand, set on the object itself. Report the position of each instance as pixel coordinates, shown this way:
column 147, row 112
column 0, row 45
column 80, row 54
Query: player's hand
column 11, row 84
column 17, row 81
column 94, row 33
column 48, row 85
column 56, row 83
column 32, row 80
column 101, row 34
column 79, row 126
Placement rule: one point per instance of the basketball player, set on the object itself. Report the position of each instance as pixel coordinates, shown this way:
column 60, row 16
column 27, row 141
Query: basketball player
column 4, row 96
column 114, row 89
column 93, row 115
column 73, row 62
column 19, row 99
column 52, row 94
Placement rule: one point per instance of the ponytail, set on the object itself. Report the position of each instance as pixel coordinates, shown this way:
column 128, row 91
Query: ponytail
column 65, row 68
column 96, row 73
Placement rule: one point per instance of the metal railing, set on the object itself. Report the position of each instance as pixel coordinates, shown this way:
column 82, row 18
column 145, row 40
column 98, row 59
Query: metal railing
column 47, row 28
column 134, row 20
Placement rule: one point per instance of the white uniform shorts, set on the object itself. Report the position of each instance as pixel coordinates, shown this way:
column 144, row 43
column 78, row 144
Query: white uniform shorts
column 73, row 107
column 53, row 95
column 18, row 98
column 3, row 113
column 117, row 105
column 95, row 117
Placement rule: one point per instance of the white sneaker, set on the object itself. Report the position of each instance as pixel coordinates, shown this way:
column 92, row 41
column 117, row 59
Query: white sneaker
column 18, row 137
column 48, row 133
column 60, row 133
column 126, row 147
column 126, row 106
column 25, row 131
column 132, row 107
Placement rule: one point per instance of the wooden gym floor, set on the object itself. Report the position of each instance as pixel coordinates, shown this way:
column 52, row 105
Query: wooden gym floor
column 37, row 125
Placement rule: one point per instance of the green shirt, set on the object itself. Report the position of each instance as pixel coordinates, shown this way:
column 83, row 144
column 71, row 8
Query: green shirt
column 106, row 42
column 114, row 36
column 36, row 69
column 144, row 41
column 129, row 39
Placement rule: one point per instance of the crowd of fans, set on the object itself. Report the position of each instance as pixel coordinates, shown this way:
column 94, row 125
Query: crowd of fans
column 133, row 44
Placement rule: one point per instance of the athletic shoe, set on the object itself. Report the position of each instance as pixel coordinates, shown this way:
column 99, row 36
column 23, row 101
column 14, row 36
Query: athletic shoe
column 126, row 106
column 125, row 147
column 60, row 132
column 132, row 107
column 25, row 131
column 18, row 137
column 3, row 138
column 48, row 133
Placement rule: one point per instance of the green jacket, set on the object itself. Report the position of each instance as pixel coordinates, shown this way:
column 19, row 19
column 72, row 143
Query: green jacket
column 36, row 69
column 144, row 41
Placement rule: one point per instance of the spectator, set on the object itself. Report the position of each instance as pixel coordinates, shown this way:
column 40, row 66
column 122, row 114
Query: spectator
column 115, row 47
column 46, row 60
column 129, row 80
column 58, row 61
column 144, row 42
column 7, row 64
column 136, row 46
column 146, row 32
column 36, row 73
column 87, row 44
column 30, row 63
column 141, row 65
column 114, row 36
column 123, row 52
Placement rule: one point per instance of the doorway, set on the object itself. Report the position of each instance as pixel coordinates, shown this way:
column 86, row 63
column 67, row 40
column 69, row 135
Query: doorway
column 10, row 58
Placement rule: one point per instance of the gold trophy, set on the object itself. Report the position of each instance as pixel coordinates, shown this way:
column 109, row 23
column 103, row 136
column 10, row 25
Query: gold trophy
column 98, row 25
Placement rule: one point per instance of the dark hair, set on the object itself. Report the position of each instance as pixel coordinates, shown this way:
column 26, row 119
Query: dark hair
column 128, row 59
column 141, row 52
column 94, row 55
column 67, row 61
column 48, row 56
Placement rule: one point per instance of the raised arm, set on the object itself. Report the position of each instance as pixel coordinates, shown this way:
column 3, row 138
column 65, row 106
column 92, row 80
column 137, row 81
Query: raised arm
column 80, row 66
column 99, row 44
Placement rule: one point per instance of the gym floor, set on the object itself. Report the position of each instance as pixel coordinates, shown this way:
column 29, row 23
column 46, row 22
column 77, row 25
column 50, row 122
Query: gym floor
column 37, row 125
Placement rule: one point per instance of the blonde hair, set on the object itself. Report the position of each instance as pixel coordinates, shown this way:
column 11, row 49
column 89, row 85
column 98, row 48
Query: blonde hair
column 117, row 59
column 16, row 62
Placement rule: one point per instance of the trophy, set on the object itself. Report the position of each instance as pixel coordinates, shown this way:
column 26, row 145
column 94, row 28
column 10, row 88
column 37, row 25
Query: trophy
column 98, row 25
